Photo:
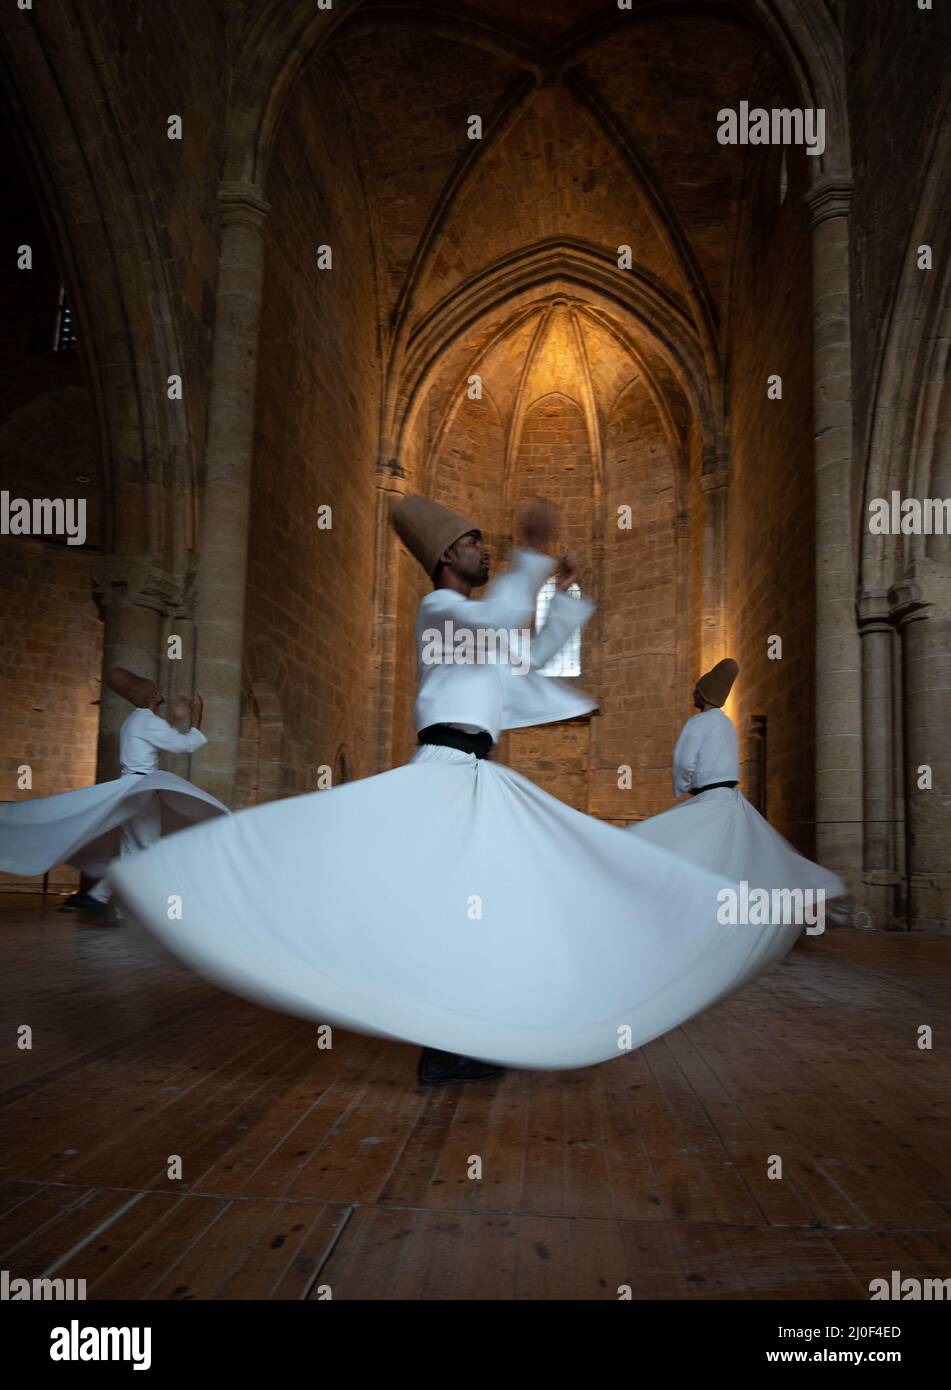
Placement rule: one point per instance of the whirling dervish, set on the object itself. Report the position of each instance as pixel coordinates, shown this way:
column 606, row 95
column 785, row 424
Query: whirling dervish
column 91, row 826
column 450, row 902
column 717, row 827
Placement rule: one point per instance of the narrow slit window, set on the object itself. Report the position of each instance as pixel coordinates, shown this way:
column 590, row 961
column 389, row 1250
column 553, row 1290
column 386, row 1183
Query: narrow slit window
column 65, row 335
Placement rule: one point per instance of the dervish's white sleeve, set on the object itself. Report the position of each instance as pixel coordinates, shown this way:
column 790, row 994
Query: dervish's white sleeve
column 685, row 758
column 160, row 734
column 508, row 602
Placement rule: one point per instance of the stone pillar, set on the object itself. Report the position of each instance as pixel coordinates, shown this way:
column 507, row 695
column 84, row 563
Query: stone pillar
column 682, row 635
column 390, row 484
column 878, row 770
column 222, row 572
column 838, row 657
column 922, row 604
column 132, row 600
column 714, row 485
column 178, row 676
column 592, row 652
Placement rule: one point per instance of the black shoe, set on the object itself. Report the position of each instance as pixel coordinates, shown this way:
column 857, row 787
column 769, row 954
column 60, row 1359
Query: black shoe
column 82, row 902
column 79, row 902
column 446, row 1069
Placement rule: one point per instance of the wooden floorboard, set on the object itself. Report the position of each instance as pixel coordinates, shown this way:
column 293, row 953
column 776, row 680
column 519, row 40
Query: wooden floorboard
column 305, row 1170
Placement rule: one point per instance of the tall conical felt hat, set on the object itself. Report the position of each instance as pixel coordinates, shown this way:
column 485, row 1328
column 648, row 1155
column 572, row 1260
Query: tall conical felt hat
column 136, row 689
column 715, row 685
column 427, row 529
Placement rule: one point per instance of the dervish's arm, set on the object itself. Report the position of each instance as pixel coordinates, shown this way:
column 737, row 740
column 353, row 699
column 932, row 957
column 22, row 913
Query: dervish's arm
column 685, row 758
column 508, row 602
column 161, row 735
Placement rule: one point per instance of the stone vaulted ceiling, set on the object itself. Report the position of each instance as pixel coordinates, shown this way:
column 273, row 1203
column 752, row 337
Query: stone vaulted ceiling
column 598, row 132
column 555, row 347
column 618, row 147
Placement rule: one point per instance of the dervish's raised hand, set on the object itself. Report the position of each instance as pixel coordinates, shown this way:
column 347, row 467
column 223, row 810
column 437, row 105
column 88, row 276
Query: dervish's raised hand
column 567, row 571
column 539, row 521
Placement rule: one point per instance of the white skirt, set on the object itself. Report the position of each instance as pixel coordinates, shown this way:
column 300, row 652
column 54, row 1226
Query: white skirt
column 452, row 903
column 721, row 831
column 82, row 827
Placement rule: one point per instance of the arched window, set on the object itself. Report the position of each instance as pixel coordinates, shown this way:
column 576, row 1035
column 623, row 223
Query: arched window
column 567, row 662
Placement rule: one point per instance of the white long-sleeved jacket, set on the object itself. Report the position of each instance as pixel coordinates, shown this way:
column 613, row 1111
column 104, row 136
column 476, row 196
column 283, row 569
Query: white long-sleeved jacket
column 483, row 694
column 144, row 735
column 707, row 752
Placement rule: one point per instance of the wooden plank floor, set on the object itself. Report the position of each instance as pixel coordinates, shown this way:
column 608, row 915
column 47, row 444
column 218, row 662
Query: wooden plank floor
column 306, row 1170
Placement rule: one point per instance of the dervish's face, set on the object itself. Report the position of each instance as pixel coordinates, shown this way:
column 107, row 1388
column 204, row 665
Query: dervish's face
column 155, row 700
column 470, row 558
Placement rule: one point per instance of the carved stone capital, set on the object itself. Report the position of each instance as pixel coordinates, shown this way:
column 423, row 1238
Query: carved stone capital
column 830, row 196
column 924, row 592
column 390, row 468
column 242, row 204
column 714, row 479
column 121, row 581
column 874, row 611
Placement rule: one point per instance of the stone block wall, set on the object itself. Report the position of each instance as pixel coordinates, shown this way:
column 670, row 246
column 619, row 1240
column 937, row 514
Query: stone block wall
column 770, row 566
column 316, row 439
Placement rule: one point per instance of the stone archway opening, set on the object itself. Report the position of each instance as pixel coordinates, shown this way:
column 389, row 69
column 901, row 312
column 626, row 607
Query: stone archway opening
column 561, row 399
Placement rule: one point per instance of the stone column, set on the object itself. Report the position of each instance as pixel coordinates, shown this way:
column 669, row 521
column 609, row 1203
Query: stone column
column 390, row 483
column 222, row 572
column 838, row 657
column 178, row 677
column 878, row 773
column 133, row 600
column 714, row 485
column 682, row 635
column 922, row 604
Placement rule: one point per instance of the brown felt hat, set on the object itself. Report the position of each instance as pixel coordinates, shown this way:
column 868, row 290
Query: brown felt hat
column 136, row 689
column 427, row 529
column 715, row 685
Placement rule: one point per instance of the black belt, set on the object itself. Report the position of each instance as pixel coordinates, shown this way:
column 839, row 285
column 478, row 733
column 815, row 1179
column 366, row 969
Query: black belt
column 445, row 736
column 712, row 786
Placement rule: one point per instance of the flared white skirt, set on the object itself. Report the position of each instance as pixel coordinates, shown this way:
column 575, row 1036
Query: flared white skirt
column 452, row 903
column 721, row 831
column 82, row 827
